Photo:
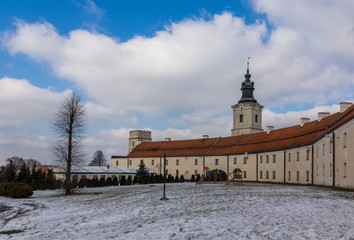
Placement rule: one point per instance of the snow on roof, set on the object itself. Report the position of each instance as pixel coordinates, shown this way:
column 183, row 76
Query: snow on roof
column 105, row 170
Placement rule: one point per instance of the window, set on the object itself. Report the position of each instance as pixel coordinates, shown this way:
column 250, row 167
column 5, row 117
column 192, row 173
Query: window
column 244, row 174
column 273, row 174
column 289, row 158
column 330, row 170
column 317, row 152
column 323, row 170
column 130, row 162
column 195, row 172
column 260, row 174
column 245, row 160
column 267, row 159
column 152, row 162
column 274, row 158
column 177, row 162
column 196, row 162
column 331, row 146
column 241, row 118
column 307, row 176
column 317, row 170
column 116, row 163
column 345, row 170
column 267, row 174
column 307, row 154
column 216, row 161
column 323, row 149
column 297, row 175
column 345, row 140
column 133, row 144
column 289, row 177
column 261, row 159
column 256, row 118
column 177, row 173
column 166, row 162
column 297, row 156
column 166, row 172
column 235, row 161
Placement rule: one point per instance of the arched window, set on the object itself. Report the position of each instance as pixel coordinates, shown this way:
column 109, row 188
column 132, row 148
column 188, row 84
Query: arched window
column 256, row 118
column 241, row 118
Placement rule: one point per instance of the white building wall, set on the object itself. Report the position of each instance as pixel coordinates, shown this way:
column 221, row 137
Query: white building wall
column 298, row 165
column 344, row 155
column 271, row 167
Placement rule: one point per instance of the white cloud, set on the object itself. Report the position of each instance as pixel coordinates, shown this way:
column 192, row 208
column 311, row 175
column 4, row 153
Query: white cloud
column 192, row 69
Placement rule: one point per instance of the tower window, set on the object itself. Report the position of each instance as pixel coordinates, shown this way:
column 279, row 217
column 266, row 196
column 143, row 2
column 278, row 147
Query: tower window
column 256, row 118
column 241, row 118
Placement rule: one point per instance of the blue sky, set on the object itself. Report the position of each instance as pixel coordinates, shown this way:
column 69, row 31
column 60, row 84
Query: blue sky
column 173, row 67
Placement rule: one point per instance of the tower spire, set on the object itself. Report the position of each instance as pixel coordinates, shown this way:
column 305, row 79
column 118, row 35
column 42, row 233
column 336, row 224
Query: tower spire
column 247, row 87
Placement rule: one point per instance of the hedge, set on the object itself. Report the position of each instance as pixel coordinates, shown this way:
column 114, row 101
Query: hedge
column 15, row 190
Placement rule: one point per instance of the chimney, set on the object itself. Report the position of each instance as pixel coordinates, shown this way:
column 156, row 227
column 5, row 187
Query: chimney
column 167, row 139
column 269, row 129
column 205, row 136
column 303, row 121
column 344, row 106
column 322, row 115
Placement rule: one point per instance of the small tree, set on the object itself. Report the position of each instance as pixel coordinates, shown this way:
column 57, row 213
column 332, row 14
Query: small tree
column 135, row 180
column 170, row 178
column 115, row 181
column 109, row 181
column 142, row 173
column 10, row 174
column 129, row 180
column 50, row 180
column 23, row 174
column 176, row 179
column 69, row 125
column 198, row 178
column 98, row 159
column 181, row 179
column 123, row 181
column 193, row 178
column 102, row 182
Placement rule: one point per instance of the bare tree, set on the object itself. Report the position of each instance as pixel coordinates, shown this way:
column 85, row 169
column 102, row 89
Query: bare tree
column 69, row 125
column 98, row 159
column 16, row 161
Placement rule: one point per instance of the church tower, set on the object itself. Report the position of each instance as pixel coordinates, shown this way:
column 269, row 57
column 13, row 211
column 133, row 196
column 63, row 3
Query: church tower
column 247, row 113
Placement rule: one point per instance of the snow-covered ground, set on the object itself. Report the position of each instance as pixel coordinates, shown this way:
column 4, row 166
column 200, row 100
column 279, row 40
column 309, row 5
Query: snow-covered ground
column 209, row 211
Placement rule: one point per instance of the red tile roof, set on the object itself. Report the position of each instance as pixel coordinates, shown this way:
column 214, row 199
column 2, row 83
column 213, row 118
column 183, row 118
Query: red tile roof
column 279, row 139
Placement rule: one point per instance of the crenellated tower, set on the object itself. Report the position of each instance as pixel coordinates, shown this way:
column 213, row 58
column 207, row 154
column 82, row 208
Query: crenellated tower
column 247, row 113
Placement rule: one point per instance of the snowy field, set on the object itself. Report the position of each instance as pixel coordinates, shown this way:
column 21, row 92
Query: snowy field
column 209, row 211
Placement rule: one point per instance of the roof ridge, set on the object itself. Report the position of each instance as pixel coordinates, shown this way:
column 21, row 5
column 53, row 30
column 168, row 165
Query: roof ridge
column 213, row 145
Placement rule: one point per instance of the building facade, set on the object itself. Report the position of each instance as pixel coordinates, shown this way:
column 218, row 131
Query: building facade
column 319, row 152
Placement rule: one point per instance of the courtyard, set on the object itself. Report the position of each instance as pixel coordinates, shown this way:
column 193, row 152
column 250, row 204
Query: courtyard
column 208, row 211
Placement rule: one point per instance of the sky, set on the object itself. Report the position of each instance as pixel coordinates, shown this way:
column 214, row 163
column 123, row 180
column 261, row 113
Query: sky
column 172, row 67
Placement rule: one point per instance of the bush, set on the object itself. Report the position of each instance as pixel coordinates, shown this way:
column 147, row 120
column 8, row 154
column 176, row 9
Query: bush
column 170, row 179
column 198, row 178
column 83, row 183
column 123, row 181
column 15, row 190
column 129, row 180
column 182, row 179
column 58, row 184
column 94, row 182
column 193, row 178
column 177, row 179
column 115, row 181
column 135, row 180
column 109, row 181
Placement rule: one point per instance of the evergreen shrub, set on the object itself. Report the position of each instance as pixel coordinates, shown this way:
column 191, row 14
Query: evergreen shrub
column 115, row 181
column 181, row 179
column 15, row 190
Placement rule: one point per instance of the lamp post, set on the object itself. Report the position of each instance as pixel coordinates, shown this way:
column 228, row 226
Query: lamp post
column 108, row 169
column 164, row 178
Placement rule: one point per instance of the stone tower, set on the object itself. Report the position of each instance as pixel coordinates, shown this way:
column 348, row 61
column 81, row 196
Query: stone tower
column 247, row 113
column 138, row 136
